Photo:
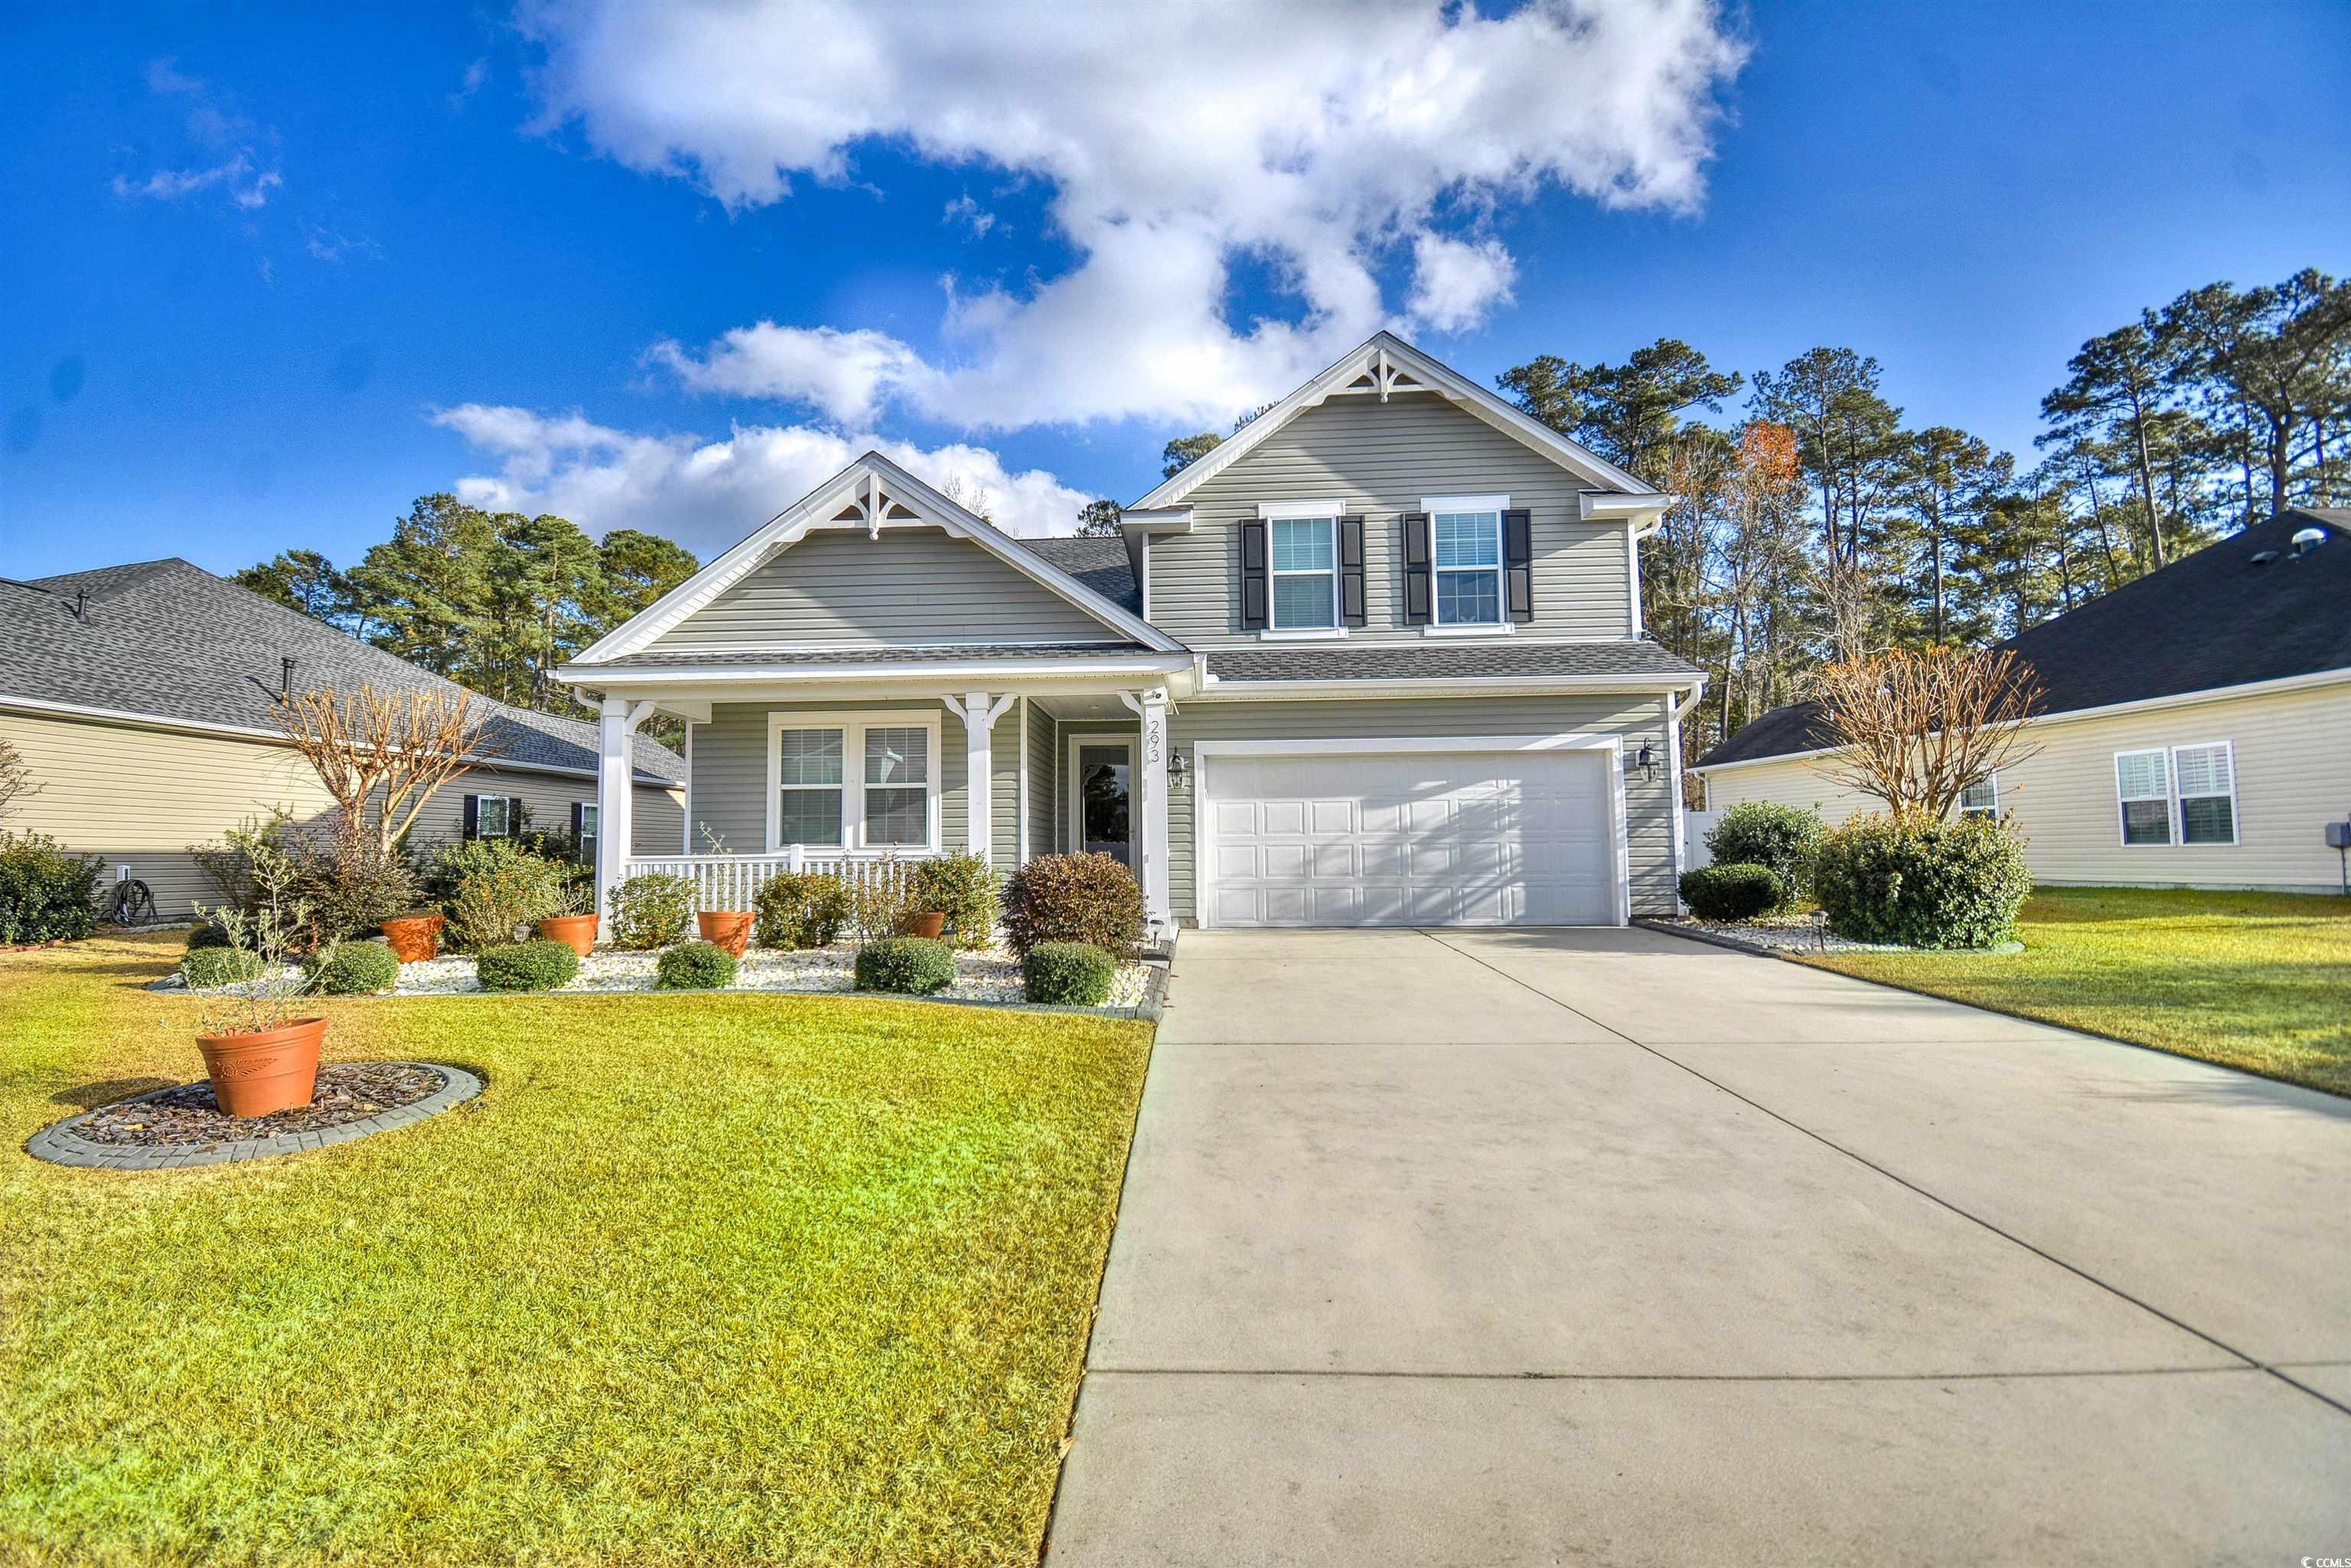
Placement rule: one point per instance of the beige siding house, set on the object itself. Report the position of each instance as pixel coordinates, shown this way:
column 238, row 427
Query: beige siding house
column 139, row 697
column 1377, row 660
column 2196, row 730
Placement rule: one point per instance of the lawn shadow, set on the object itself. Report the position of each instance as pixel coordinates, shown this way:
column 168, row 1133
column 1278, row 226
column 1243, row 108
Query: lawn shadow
column 107, row 1090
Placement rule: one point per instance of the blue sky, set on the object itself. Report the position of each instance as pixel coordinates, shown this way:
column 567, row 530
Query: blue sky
column 269, row 273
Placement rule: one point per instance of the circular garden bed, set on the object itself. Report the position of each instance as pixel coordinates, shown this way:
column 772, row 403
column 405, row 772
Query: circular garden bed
column 181, row 1127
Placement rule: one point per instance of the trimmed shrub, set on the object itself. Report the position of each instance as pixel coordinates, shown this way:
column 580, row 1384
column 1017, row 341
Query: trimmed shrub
column 1068, row 973
column 354, row 969
column 916, row 965
column 650, row 911
column 493, row 890
column 800, row 909
column 961, row 887
column 209, row 969
column 1733, row 892
column 207, row 933
column 46, row 894
column 527, row 966
column 1767, row 833
column 695, row 967
column 1091, row 899
column 1923, row 884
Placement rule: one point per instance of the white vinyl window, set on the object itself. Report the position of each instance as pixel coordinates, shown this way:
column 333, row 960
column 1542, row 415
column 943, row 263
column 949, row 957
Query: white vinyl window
column 854, row 781
column 1981, row 798
column 1304, row 567
column 811, row 789
column 897, row 786
column 2143, row 787
column 2206, row 782
column 1465, row 548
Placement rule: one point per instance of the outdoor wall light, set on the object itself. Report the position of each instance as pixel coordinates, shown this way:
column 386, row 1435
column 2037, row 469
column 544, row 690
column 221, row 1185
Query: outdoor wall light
column 1646, row 762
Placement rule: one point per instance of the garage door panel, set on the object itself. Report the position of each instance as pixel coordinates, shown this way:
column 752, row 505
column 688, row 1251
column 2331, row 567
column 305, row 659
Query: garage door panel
column 1411, row 839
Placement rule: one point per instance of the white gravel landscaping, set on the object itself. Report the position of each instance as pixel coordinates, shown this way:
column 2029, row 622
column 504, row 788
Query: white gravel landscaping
column 987, row 975
column 1794, row 933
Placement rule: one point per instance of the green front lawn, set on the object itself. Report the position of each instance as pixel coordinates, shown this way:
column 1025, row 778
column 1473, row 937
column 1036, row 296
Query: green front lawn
column 2256, row 980
column 699, row 1279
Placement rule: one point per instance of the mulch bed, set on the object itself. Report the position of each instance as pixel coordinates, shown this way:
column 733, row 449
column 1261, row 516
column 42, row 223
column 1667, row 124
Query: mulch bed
column 347, row 1091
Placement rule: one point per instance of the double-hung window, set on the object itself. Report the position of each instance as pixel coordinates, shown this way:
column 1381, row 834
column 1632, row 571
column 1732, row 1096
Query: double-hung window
column 1466, row 553
column 2143, row 785
column 851, row 781
column 1304, row 568
column 2206, row 781
column 897, row 786
column 810, row 788
column 1981, row 798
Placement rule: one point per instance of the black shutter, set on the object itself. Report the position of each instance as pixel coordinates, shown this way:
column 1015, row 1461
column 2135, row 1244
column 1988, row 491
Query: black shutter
column 1254, row 583
column 1519, row 563
column 514, row 816
column 1351, row 571
column 1416, row 568
column 473, row 816
column 578, row 820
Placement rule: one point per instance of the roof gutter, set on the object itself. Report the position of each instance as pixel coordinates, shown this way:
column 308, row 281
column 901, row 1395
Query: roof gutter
column 1224, row 690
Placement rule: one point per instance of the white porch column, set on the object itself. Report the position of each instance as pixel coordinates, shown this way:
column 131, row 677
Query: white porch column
column 1150, row 844
column 980, row 718
column 616, row 721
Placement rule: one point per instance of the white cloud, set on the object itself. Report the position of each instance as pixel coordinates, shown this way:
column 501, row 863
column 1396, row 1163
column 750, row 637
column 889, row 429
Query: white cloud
column 707, row 495
column 1456, row 283
column 213, row 123
column 246, row 189
column 1176, row 139
column 966, row 211
column 476, row 74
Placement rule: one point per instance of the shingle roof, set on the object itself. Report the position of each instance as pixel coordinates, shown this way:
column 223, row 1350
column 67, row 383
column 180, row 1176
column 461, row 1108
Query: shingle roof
column 784, row 658
column 1100, row 563
column 1457, row 661
column 168, row 639
column 2215, row 618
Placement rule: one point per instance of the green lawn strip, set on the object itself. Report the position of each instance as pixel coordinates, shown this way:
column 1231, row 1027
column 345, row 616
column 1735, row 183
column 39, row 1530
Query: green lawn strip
column 708, row 1280
column 2255, row 980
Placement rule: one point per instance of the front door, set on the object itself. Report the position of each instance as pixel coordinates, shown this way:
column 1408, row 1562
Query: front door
column 1103, row 771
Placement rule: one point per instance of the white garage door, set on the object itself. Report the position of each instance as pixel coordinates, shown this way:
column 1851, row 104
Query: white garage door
column 1411, row 839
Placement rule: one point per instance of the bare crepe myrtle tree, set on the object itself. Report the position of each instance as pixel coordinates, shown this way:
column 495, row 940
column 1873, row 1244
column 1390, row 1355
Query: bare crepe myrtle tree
column 1918, row 728
column 383, row 756
column 16, row 780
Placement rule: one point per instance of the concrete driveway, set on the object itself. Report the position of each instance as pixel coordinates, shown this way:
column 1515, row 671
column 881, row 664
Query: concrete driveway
column 1570, row 1247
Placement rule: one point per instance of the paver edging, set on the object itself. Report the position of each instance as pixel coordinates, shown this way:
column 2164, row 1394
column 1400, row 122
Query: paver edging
column 58, row 1145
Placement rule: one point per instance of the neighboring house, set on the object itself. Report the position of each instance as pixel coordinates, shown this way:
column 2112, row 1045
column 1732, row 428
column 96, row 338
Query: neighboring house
column 2194, row 730
column 1377, row 660
column 140, row 697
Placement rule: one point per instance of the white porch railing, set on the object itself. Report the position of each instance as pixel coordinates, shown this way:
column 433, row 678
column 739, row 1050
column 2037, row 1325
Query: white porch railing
column 729, row 881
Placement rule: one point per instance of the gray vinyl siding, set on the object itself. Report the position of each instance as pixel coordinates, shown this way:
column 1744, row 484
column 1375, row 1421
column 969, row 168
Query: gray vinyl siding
column 1044, row 780
column 730, row 768
column 910, row 586
column 1379, row 460
column 1003, row 787
column 1648, row 803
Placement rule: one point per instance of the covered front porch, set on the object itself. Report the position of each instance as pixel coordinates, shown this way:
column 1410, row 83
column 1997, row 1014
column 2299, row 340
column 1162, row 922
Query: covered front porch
column 847, row 777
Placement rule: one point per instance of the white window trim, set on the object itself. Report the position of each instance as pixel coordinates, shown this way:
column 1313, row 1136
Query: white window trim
column 1500, row 625
column 1206, row 752
column 1076, row 813
column 2170, row 808
column 1273, row 575
column 2179, row 800
column 853, row 723
column 1992, row 811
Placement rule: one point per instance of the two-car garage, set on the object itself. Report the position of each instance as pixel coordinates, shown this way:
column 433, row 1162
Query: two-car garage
column 1415, row 832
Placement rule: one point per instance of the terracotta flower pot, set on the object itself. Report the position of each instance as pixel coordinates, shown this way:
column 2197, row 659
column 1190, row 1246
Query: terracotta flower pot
column 931, row 923
column 731, row 929
column 577, row 932
column 255, row 1074
column 415, row 937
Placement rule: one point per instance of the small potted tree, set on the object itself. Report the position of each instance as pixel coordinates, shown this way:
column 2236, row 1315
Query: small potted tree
column 728, row 929
column 573, row 923
column 260, row 1051
column 415, row 937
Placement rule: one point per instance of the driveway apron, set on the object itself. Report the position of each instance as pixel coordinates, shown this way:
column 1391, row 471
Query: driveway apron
column 1553, row 1247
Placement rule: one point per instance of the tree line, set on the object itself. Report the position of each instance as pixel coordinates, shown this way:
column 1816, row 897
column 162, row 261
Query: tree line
column 492, row 600
column 1814, row 523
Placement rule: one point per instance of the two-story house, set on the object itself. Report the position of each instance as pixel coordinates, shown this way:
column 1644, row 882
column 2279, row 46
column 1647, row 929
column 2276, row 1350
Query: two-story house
column 1377, row 660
